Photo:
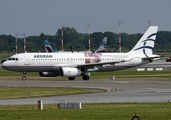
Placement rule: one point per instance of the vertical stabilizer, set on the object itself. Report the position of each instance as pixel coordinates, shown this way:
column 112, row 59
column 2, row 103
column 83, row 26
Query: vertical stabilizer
column 48, row 48
column 146, row 44
column 102, row 46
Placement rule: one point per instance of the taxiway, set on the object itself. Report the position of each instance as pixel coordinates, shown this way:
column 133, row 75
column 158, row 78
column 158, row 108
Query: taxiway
column 119, row 91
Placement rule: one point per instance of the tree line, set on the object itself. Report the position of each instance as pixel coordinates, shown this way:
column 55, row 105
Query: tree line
column 72, row 38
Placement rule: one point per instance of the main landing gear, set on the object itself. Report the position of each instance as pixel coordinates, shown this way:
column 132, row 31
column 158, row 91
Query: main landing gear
column 24, row 76
column 71, row 78
column 85, row 77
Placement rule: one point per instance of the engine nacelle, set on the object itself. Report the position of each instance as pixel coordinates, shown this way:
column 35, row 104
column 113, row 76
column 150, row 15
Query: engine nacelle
column 70, row 72
column 49, row 74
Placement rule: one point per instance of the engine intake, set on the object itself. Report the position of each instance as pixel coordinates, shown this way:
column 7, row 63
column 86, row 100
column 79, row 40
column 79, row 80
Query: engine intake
column 70, row 72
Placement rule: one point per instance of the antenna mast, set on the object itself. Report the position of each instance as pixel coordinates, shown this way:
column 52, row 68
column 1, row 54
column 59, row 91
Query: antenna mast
column 62, row 38
column 16, row 44
column 24, row 43
column 120, row 36
column 88, row 35
column 149, row 22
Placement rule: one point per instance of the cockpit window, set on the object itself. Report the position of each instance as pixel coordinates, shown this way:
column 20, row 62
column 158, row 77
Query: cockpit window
column 13, row 59
column 10, row 59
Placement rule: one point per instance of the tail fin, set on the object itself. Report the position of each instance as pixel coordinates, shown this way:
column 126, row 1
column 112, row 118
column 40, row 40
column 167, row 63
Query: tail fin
column 102, row 46
column 48, row 48
column 146, row 44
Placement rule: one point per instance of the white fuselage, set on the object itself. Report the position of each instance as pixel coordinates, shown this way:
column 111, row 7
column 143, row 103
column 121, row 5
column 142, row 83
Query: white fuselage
column 51, row 62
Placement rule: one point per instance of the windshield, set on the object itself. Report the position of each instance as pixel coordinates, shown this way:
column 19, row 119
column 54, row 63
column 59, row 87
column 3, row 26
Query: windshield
column 14, row 59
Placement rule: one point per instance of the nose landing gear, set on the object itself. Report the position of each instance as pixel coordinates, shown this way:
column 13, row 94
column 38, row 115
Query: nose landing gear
column 24, row 76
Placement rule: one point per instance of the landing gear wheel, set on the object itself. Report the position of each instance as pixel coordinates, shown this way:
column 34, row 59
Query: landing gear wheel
column 85, row 77
column 24, row 78
column 71, row 78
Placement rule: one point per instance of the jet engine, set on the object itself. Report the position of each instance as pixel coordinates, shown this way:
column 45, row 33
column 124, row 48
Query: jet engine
column 70, row 72
column 49, row 74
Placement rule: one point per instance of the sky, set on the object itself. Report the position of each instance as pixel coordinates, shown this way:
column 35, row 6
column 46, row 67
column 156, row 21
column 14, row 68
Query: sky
column 34, row 17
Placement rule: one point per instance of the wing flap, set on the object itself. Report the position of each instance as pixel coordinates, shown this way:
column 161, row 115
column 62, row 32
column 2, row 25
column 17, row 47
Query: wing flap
column 90, row 65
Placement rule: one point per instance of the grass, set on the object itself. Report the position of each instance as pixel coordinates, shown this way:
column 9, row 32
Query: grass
column 117, row 73
column 8, row 93
column 6, row 55
column 122, row 74
column 112, row 111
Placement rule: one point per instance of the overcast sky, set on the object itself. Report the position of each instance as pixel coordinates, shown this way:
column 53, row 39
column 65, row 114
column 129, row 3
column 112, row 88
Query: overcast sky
column 34, row 17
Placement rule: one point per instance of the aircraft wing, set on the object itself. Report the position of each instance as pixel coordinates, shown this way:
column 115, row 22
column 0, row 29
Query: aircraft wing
column 92, row 65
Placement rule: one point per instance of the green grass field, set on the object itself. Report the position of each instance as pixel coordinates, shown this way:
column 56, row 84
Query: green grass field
column 112, row 111
column 8, row 93
column 122, row 74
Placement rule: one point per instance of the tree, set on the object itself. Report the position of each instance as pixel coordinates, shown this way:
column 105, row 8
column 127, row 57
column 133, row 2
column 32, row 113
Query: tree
column 73, row 38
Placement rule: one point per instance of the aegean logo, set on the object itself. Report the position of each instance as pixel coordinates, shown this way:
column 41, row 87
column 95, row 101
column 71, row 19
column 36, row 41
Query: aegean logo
column 42, row 56
column 69, row 72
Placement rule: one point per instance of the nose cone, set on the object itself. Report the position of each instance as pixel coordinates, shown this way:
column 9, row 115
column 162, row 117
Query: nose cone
column 3, row 63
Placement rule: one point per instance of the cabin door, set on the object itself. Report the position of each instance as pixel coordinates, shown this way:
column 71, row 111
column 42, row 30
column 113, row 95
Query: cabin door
column 131, row 61
column 26, row 60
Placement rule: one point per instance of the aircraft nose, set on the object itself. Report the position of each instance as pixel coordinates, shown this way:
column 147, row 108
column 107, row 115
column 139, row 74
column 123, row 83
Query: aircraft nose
column 3, row 63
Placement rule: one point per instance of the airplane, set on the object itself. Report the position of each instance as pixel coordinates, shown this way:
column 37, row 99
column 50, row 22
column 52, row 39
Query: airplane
column 72, row 65
column 48, row 47
column 101, row 48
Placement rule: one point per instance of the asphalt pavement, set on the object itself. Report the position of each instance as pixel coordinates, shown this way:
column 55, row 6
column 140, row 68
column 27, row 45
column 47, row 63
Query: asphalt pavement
column 119, row 91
